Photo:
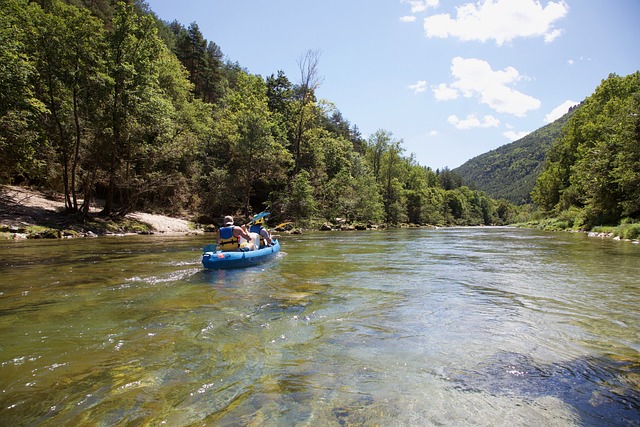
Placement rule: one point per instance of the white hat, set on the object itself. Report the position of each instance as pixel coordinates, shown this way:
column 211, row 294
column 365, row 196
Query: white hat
column 228, row 220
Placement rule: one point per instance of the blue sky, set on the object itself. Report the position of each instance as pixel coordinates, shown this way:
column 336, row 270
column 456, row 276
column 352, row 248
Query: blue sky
column 451, row 79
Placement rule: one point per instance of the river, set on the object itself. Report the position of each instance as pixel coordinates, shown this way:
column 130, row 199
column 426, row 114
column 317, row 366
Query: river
column 454, row 326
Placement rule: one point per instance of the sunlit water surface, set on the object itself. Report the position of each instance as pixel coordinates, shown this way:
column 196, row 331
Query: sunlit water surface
column 469, row 326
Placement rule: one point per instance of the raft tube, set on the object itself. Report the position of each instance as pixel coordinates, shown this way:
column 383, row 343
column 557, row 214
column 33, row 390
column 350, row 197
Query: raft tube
column 220, row 260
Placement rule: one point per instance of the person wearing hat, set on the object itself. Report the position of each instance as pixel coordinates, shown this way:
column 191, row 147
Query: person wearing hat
column 258, row 228
column 231, row 237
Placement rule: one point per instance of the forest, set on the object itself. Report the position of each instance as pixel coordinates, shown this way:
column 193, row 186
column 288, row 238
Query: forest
column 591, row 176
column 102, row 100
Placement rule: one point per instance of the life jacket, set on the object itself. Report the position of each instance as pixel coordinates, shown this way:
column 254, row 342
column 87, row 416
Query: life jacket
column 257, row 228
column 228, row 241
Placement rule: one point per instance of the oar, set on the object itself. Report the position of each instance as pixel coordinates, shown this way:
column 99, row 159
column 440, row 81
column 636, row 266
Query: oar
column 258, row 216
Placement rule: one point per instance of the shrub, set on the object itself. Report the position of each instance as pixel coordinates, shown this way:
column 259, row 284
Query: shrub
column 629, row 231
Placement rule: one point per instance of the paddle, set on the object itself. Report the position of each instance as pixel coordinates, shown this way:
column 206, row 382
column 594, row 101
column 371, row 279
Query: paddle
column 258, row 216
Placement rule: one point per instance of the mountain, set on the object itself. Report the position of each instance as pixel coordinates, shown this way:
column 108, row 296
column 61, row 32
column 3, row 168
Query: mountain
column 510, row 171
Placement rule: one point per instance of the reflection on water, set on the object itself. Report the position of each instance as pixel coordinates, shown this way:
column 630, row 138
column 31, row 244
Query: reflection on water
column 489, row 326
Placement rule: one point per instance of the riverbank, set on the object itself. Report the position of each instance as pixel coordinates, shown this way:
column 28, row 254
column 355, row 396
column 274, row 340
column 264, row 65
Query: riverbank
column 28, row 213
column 628, row 232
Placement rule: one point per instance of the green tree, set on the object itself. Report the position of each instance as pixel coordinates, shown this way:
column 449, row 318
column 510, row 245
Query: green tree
column 418, row 179
column 391, row 171
column 280, row 101
column 594, row 166
column 69, row 43
column 245, row 133
column 454, row 207
column 19, row 105
column 378, row 145
column 172, row 139
column 305, row 93
column 202, row 59
column 280, row 94
column 449, row 180
column 434, row 209
column 506, row 212
column 300, row 202
column 549, row 186
column 367, row 202
column 132, row 52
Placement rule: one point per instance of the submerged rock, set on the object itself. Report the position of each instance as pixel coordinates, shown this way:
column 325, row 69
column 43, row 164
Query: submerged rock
column 597, row 388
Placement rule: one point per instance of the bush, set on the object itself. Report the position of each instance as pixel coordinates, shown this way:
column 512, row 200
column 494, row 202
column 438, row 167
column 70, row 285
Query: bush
column 629, row 231
column 557, row 225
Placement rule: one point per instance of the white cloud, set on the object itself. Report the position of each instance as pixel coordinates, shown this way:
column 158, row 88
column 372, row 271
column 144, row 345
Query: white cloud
column 442, row 92
column 419, row 87
column 549, row 37
column 499, row 20
column 473, row 122
column 433, row 133
column 581, row 59
column 474, row 77
column 421, row 5
column 514, row 136
column 559, row 111
column 408, row 18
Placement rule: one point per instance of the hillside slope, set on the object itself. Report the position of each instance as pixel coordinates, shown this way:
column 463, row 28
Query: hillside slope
column 510, row 171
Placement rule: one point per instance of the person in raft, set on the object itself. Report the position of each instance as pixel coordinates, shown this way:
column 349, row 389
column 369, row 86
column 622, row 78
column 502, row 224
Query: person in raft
column 265, row 236
column 231, row 237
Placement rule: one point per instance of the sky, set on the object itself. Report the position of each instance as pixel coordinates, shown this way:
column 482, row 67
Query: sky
column 451, row 79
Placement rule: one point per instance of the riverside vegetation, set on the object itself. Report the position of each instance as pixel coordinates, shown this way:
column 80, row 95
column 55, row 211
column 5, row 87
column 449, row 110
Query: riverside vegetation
column 108, row 102
column 582, row 172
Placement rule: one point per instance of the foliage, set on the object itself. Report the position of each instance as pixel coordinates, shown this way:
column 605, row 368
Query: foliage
column 300, row 202
column 628, row 231
column 107, row 101
column 19, row 105
column 594, row 167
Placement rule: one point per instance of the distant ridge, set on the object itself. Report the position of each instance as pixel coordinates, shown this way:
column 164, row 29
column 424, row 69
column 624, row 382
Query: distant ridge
column 510, row 171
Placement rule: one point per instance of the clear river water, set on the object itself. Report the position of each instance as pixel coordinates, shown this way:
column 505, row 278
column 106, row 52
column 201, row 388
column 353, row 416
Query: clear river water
column 457, row 326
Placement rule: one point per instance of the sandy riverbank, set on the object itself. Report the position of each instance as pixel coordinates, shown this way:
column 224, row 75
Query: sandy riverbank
column 22, row 208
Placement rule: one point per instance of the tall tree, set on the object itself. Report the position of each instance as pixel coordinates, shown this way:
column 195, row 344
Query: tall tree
column 299, row 201
column 392, row 173
column 133, row 48
column 245, row 133
column 418, row 180
column 379, row 143
column 19, row 105
column 69, row 43
column 203, row 60
column 213, row 85
column 310, row 80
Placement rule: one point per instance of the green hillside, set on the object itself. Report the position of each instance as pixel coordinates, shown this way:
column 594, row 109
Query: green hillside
column 509, row 172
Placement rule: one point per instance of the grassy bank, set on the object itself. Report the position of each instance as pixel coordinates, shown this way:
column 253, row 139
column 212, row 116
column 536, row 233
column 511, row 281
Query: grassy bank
column 627, row 230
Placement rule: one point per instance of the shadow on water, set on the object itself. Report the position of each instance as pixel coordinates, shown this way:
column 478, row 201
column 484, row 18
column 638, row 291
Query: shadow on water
column 603, row 391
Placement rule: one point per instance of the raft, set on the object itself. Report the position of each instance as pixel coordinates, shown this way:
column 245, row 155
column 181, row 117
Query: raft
column 220, row 260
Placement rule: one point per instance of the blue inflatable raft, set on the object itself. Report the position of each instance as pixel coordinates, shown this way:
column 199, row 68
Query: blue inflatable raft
column 219, row 260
